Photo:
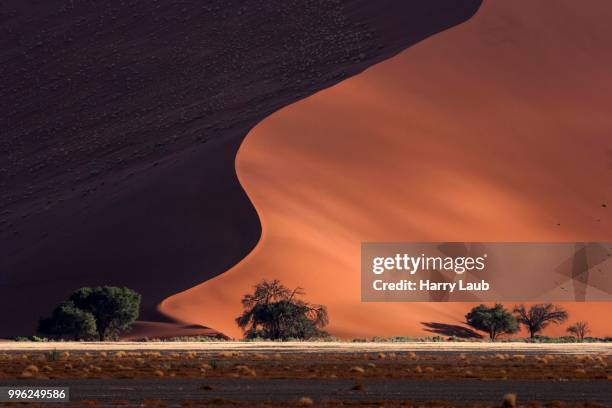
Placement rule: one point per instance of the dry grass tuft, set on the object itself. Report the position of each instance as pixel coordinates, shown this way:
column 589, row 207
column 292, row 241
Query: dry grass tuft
column 305, row 402
column 357, row 369
column 32, row 368
column 509, row 401
column 27, row 374
column 429, row 370
column 122, row 367
column 246, row 371
column 418, row 369
column 602, row 361
column 158, row 373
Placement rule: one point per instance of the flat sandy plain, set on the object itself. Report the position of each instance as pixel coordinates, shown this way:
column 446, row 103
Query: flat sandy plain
column 316, row 347
column 315, row 373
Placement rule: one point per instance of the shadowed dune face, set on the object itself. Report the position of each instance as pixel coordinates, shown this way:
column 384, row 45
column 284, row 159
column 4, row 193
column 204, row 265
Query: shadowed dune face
column 495, row 130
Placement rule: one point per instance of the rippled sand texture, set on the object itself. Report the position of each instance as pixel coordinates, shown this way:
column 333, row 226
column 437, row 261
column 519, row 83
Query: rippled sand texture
column 495, row 130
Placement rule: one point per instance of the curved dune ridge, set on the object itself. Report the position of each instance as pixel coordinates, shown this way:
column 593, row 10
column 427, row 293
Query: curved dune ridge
column 495, row 130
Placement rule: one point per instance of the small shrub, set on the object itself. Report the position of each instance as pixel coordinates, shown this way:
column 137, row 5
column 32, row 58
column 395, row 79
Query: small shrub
column 509, row 401
column 305, row 402
column 22, row 338
column 32, row 368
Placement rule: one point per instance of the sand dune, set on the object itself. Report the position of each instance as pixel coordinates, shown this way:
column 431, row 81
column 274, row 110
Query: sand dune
column 120, row 122
column 495, row 130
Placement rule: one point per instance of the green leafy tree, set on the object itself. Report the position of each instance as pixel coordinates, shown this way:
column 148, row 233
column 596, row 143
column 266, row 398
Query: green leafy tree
column 494, row 320
column 275, row 312
column 114, row 309
column 68, row 320
column 539, row 316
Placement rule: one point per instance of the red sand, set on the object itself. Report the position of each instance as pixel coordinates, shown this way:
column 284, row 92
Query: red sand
column 495, row 130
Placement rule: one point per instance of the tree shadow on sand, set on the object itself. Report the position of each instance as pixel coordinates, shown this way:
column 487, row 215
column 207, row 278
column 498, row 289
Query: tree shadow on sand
column 450, row 330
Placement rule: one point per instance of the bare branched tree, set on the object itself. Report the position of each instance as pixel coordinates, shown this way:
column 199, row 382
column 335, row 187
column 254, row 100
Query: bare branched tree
column 539, row 316
column 579, row 329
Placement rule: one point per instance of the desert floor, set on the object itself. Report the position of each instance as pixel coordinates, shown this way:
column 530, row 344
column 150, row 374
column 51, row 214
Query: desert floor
column 321, row 374
column 318, row 347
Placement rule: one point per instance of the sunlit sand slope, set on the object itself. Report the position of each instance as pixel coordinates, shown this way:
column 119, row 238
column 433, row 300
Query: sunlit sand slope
column 495, row 130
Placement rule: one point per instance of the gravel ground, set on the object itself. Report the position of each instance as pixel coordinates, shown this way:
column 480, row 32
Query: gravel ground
column 270, row 390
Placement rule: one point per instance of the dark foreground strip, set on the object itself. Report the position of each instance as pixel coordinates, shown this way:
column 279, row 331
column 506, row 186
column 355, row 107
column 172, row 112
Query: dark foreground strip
column 279, row 390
